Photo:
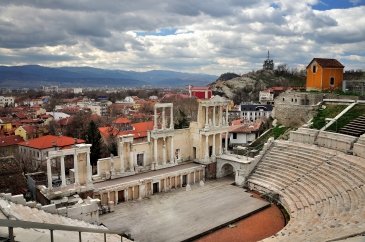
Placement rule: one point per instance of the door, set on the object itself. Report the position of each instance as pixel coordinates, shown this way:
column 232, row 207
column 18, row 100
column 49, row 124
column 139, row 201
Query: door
column 184, row 180
column 121, row 196
column 155, row 187
column 194, row 153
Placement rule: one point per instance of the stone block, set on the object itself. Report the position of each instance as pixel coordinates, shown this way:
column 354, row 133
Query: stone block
column 18, row 199
column 201, row 183
column 62, row 211
column 188, row 188
column 51, row 208
column 74, row 212
column 31, row 204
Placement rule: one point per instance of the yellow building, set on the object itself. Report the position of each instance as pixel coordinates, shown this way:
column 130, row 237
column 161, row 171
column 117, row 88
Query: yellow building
column 324, row 74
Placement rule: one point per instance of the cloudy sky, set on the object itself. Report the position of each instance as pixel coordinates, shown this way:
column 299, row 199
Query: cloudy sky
column 212, row 36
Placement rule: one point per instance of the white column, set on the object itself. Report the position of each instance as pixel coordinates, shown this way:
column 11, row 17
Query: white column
column 206, row 147
column 220, row 143
column 116, row 197
column 163, row 119
column 213, row 151
column 206, row 116
column 131, row 158
column 121, row 156
column 220, row 115
column 76, row 168
column 49, row 173
column 172, row 118
column 88, row 168
column 164, row 151
column 172, row 150
column 214, row 116
column 226, row 143
column 194, row 177
column 155, row 150
column 63, row 173
column 227, row 115
column 155, row 118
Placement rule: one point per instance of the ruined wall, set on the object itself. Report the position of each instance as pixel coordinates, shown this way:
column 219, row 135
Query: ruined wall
column 296, row 108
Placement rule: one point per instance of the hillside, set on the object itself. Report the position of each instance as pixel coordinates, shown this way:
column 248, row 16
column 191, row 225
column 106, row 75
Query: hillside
column 35, row 76
column 249, row 85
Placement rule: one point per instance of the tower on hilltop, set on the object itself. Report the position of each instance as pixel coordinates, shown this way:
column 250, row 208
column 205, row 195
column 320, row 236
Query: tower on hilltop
column 268, row 63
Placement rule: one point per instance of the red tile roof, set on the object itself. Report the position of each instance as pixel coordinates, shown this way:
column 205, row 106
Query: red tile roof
column 324, row 62
column 247, row 127
column 10, row 140
column 29, row 129
column 122, row 121
column 139, row 130
column 50, row 141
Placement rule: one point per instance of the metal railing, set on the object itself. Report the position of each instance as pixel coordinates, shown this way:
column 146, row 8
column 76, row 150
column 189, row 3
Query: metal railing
column 11, row 224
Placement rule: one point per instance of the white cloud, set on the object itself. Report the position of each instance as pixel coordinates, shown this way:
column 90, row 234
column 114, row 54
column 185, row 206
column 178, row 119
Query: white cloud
column 222, row 36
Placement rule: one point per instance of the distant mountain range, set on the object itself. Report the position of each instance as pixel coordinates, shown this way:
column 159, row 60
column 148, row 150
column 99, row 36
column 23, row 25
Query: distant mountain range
column 33, row 76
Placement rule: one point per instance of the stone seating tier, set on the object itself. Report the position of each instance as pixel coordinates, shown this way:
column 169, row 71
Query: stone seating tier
column 323, row 190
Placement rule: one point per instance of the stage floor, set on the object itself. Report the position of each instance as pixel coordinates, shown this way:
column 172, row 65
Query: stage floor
column 180, row 215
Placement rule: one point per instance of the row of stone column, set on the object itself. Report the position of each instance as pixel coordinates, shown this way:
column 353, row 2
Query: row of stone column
column 220, row 116
column 213, row 144
column 142, row 189
column 63, row 171
column 163, row 124
column 164, row 150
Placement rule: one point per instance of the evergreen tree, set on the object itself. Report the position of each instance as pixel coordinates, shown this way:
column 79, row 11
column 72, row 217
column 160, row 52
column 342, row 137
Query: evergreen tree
column 94, row 138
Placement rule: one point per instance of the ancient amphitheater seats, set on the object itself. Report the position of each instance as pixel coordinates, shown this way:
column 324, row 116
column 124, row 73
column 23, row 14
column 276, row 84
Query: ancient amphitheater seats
column 25, row 213
column 323, row 190
column 335, row 141
column 356, row 127
column 359, row 147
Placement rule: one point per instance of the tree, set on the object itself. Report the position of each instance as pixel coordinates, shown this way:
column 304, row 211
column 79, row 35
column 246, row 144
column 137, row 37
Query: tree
column 94, row 138
column 182, row 120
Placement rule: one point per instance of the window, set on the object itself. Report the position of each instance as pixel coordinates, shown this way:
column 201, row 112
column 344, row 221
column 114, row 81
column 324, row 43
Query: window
column 314, row 68
column 139, row 159
column 332, row 81
column 234, row 135
column 283, row 99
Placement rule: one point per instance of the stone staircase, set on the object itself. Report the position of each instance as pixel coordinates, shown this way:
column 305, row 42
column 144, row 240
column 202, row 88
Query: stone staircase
column 10, row 210
column 322, row 190
column 355, row 128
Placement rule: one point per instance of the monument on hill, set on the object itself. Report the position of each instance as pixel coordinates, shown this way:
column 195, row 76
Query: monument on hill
column 268, row 63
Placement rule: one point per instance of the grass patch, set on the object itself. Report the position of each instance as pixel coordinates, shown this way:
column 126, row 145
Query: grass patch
column 355, row 112
column 275, row 132
column 331, row 111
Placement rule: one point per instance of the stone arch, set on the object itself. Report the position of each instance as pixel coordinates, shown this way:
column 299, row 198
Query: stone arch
column 227, row 169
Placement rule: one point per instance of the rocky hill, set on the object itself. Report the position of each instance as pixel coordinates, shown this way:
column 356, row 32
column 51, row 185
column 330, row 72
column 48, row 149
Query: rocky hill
column 247, row 86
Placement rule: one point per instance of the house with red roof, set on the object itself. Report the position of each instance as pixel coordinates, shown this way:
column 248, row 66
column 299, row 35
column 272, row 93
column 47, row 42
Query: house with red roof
column 26, row 131
column 139, row 131
column 244, row 133
column 37, row 149
column 200, row 92
column 9, row 145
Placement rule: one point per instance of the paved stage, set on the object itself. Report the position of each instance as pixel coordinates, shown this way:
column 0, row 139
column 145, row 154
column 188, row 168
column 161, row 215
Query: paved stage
column 180, row 215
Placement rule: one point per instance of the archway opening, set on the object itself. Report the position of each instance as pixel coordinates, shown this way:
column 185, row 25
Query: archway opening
column 228, row 171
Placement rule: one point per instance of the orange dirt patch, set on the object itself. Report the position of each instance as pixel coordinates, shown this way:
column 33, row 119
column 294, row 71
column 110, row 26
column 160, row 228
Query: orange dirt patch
column 253, row 228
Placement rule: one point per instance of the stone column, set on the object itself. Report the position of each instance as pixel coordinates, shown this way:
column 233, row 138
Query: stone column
column 131, row 158
column 226, row 143
column 49, row 173
column 155, row 150
column 220, row 143
column 214, row 116
column 164, row 151
column 213, row 151
column 88, row 167
column 206, row 116
column 172, row 118
column 172, row 155
column 227, row 115
column 116, row 197
column 76, row 168
column 63, row 173
column 163, row 119
column 121, row 156
column 155, row 118
column 206, row 147
column 220, row 115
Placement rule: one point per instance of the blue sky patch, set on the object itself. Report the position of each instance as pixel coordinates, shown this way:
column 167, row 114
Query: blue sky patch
column 159, row 32
column 336, row 4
